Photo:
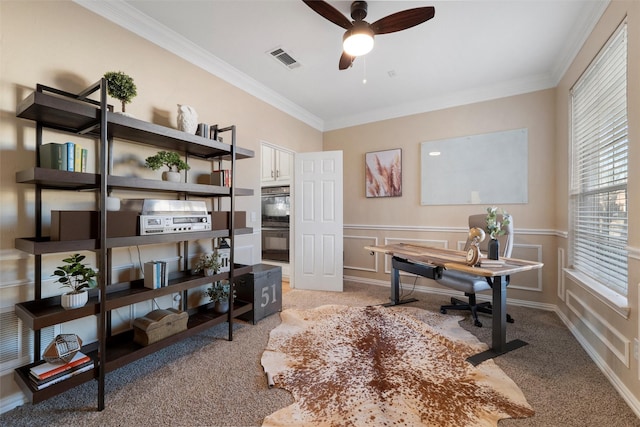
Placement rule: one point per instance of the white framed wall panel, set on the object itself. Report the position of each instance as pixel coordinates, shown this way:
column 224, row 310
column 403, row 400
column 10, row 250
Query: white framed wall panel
column 528, row 280
column 614, row 341
column 353, row 246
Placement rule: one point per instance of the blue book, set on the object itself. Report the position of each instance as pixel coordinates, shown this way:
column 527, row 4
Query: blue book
column 71, row 155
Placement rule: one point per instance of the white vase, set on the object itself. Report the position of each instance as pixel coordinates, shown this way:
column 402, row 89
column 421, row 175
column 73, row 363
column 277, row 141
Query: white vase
column 209, row 272
column 71, row 301
column 171, row 176
column 187, row 119
column 221, row 306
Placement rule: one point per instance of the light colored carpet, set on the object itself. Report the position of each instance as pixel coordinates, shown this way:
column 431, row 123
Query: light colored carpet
column 375, row 366
column 208, row 381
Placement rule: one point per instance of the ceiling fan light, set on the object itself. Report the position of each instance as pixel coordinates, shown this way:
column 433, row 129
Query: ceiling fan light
column 358, row 41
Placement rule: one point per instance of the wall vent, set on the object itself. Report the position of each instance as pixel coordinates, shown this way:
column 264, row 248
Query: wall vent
column 284, row 58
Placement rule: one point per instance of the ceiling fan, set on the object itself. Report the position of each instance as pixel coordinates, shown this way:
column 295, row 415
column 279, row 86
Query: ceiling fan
column 358, row 39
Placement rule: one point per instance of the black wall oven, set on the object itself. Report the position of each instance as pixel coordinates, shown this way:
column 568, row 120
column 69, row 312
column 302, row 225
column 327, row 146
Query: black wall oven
column 275, row 223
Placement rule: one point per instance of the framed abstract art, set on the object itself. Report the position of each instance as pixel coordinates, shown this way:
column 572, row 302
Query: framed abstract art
column 383, row 173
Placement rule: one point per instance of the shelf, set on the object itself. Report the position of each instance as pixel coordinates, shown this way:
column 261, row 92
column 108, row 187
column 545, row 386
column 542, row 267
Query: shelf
column 21, row 376
column 45, row 245
column 122, row 350
column 46, row 312
column 58, row 179
column 76, row 116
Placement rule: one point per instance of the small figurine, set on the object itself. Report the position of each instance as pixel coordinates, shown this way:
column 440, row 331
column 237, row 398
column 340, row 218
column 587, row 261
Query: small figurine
column 187, row 119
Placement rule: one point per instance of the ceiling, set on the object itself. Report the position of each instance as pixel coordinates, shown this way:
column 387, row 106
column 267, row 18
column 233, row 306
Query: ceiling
column 470, row 51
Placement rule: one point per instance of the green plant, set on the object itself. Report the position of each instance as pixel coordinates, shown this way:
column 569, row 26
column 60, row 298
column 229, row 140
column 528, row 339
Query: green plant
column 166, row 158
column 208, row 261
column 121, row 87
column 219, row 291
column 75, row 275
column 494, row 226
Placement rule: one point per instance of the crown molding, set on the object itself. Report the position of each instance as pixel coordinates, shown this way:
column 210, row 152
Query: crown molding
column 131, row 19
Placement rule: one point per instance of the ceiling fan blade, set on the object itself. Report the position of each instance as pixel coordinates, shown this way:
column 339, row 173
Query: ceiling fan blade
column 402, row 20
column 346, row 61
column 327, row 11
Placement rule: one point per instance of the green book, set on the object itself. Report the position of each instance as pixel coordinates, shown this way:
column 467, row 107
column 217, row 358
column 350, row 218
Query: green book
column 83, row 165
column 78, row 158
column 53, row 156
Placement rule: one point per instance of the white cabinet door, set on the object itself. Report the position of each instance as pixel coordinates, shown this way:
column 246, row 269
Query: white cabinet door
column 277, row 166
column 268, row 164
column 283, row 166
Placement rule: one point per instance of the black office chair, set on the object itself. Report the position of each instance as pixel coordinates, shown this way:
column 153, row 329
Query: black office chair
column 470, row 284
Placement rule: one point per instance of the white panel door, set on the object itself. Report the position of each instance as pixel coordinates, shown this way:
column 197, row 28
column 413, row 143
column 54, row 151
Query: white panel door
column 318, row 262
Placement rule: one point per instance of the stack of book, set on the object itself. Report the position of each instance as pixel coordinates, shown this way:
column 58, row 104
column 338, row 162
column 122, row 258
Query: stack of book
column 46, row 374
column 156, row 274
column 67, row 157
column 221, row 177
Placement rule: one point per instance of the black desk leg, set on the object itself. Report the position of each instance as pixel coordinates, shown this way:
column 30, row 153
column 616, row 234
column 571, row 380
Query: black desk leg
column 395, row 283
column 499, row 344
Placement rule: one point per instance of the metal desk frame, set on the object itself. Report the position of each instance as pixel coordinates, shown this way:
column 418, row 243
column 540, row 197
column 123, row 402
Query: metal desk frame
column 430, row 262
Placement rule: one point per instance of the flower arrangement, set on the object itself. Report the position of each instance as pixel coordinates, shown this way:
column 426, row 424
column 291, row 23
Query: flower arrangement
column 219, row 291
column 494, row 226
column 75, row 275
column 208, row 262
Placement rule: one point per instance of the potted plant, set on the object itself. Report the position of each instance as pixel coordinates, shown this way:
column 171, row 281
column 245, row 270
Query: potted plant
column 208, row 263
column 495, row 228
column 218, row 293
column 171, row 160
column 78, row 278
column 121, row 87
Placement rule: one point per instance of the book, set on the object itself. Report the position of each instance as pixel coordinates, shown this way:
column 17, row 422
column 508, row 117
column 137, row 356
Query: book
column 83, row 164
column 491, row 262
column 156, row 274
column 77, row 156
column 71, row 155
column 150, row 275
column 46, row 370
column 53, row 156
column 63, row 376
column 38, row 381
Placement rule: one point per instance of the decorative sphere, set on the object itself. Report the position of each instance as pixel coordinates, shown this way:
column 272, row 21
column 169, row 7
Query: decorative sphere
column 477, row 234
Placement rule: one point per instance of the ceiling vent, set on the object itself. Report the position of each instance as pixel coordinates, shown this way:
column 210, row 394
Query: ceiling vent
column 284, row 58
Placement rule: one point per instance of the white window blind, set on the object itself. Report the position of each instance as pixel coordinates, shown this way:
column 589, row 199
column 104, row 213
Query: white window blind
column 599, row 166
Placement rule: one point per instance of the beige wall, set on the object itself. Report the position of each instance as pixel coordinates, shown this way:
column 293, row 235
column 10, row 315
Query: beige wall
column 63, row 45
column 372, row 220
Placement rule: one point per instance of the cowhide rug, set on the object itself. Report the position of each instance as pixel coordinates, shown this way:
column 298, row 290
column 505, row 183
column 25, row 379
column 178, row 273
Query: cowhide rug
column 400, row 366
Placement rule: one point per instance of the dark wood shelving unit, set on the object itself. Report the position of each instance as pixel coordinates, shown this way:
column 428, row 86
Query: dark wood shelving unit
column 78, row 114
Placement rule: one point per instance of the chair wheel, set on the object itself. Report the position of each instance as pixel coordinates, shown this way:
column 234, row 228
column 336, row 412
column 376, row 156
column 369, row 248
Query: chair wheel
column 443, row 310
column 510, row 319
column 477, row 323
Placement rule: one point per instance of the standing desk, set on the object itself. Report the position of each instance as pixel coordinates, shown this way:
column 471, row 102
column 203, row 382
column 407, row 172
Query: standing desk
column 430, row 262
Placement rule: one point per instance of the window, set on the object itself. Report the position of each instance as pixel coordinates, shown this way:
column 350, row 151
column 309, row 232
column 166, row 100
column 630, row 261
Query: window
column 599, row 142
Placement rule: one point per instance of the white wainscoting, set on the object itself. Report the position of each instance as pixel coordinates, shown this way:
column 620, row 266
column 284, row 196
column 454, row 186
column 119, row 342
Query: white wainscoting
column 615, row 341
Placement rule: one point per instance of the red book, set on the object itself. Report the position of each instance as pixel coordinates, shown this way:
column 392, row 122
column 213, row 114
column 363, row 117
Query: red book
column 46, row 370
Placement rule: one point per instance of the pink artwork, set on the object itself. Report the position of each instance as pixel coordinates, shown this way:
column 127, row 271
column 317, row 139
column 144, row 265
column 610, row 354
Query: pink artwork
column 383, row 173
